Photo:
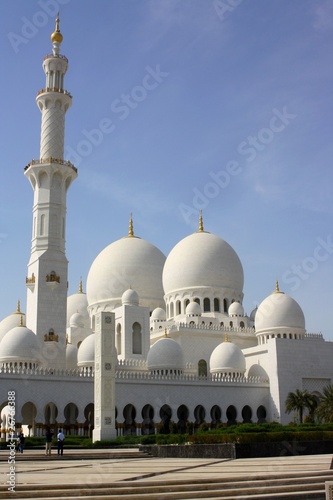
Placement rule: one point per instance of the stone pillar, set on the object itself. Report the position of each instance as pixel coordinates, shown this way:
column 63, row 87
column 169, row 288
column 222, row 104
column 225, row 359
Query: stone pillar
column 104, row 377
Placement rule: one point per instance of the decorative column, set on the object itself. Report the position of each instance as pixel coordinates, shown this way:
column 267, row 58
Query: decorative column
column 104, row 378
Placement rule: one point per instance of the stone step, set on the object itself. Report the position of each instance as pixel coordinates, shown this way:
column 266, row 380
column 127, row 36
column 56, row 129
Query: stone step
column 296, row 487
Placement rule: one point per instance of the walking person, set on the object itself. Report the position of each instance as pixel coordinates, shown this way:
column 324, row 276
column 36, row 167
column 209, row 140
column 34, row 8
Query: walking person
column 21, row 441
column 48, row 443
column 60, row 439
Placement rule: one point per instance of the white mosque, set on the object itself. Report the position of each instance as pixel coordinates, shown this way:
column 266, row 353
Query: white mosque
column 154, row 339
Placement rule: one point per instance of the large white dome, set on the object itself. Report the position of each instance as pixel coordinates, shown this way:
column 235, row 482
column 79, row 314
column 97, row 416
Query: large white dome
column 279, row 313
column 130, row 262
column 202, row 260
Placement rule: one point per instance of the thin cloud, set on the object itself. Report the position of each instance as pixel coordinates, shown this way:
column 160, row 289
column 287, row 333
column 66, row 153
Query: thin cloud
column 323, row 16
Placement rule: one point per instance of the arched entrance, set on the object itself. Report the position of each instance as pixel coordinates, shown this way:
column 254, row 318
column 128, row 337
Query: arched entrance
column 147, row 422
column 261, row 414
column 165, row 414
column 231, row 415
column 215, row 415
column 89, row 413
column 29, row 412
column 129, row 414
column 247, row 414
column 71, row 413
column 182, row 414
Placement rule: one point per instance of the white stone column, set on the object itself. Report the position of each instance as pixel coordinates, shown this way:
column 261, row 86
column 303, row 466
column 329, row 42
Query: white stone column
column 104, row 377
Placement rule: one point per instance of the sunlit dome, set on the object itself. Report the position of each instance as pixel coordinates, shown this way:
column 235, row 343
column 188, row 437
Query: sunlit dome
column 279, row 313
column 130, row 298
column 20, row 345
column 130, row 262
column 193, row 309
column 11, row 321
column 167, row 355
column 227, row 357
column 158, row 314
column 86, row 352
column 236, row 309
column 203, row 259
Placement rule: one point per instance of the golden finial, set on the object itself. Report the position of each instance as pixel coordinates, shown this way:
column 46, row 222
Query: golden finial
column 18, row 308
column 165, row 333
column 80, row 286
column 56, row 35
column 277, row 290
column 130, row 227
column 201, row 227
column 21, row 320
column 226, row 338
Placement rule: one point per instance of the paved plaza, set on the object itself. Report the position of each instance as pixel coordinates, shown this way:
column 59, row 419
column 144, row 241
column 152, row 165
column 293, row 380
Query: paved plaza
column 87, row 468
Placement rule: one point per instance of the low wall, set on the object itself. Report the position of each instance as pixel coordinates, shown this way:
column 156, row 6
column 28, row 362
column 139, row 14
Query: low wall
column 236, row 450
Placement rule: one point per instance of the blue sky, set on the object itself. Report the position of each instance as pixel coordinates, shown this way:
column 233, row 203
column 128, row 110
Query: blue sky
column 180, row 105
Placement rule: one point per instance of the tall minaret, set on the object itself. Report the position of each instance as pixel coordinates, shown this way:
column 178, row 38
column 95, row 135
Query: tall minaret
column 50, row 177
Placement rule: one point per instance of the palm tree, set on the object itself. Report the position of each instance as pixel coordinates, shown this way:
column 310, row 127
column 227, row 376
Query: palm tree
column 325, row 408
column 299, row 401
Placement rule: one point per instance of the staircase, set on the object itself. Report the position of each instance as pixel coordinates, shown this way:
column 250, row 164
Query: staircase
column 293, row 486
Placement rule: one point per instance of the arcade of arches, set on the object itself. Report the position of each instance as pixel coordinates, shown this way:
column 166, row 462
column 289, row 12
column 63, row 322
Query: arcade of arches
column 133, row 420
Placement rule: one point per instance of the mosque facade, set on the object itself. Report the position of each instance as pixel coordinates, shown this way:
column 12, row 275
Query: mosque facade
column 154, row 339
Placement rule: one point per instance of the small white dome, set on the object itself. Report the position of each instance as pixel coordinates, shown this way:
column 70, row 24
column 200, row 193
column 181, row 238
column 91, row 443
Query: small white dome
column 86, row 352
column 76, row 320
column 193, row 309
column 236, row 309
column 71, row 356
column 279, row 313
column 130, row 298
column 158, row 314
column 77, row 303
column 227, row 358
column 165, row 354
column 19, row 345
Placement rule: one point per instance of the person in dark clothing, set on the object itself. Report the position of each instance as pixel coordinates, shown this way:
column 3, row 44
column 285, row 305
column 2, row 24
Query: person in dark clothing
column 48, row 443
column 21, row 440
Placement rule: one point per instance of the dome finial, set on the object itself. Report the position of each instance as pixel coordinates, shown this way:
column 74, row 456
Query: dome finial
column 56, row 37
column 21, row 320
column 226, row 339
column 165, row 333
column 130, row 227
column 80, row 286
column 201, row 227
column 18, row 308
column 277, row 290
